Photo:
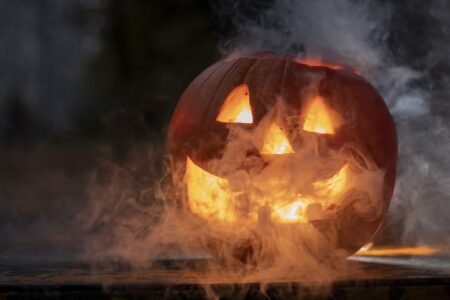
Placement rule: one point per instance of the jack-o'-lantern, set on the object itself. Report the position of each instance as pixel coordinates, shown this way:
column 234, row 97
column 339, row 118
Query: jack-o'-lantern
column 270, row 142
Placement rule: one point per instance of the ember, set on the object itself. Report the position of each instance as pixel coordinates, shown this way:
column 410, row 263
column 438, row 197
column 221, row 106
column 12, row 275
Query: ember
column 399, row 251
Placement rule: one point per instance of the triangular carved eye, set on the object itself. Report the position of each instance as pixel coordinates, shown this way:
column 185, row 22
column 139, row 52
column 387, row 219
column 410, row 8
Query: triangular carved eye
column 236, row 107
column 276, row 142
column 319, row 118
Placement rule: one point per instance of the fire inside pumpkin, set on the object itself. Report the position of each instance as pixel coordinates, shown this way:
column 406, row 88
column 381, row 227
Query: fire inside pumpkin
column 268, row 141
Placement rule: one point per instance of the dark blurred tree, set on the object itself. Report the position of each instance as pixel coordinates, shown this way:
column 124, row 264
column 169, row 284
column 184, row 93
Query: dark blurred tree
column 19, row 123
column 151, row 51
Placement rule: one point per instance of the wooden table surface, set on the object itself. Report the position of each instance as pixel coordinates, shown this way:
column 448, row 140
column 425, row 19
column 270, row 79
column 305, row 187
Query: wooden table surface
column 369, row 278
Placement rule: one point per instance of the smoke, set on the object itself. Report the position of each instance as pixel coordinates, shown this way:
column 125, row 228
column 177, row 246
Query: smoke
column 129, row 213
column 408, row 66
column 136, row 222
column 372, row 38
column 339, row 31
column 421, row 203
column 130, row 217
column 43, row 40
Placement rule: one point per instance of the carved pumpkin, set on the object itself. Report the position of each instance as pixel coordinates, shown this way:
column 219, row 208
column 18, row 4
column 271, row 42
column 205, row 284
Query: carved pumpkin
column 269, row 141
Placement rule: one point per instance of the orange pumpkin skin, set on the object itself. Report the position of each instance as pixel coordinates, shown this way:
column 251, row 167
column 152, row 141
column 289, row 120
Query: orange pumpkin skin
column 368, row 127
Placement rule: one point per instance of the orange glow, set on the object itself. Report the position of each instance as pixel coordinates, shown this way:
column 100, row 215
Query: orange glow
column 276, row 142
column 290, row 213
column 209, row 196
column 398, row 251
column 332, row 186
column 317, row 63
column 317, row 117
column 236, row 107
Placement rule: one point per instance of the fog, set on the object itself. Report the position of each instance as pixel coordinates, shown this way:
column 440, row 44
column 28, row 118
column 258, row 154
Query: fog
column 110, row 200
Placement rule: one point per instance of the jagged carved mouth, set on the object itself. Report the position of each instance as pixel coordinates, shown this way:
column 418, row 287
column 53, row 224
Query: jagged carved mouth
column 215, row 198
column 293, row 187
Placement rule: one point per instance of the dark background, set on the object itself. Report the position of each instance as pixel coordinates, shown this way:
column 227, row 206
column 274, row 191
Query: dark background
column 99, row 70
column 87, row 88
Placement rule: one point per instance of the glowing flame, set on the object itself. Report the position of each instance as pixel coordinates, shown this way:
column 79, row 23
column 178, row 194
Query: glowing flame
column 317, row 117
column 276, row 142
column 332, row 186
column 209, row 196
column 290, row 213
column 236, row 107
column 398, row 251
column 212, row 198
column 317, row 63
